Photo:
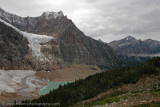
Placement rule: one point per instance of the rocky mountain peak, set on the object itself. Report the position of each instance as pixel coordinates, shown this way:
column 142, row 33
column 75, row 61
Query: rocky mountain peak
column 48, row 23
column 100, row 40
column 50, row 15
column 129, row 38
column 133, row 49
column 1, row 10
column 150, row 41
column 123, row 42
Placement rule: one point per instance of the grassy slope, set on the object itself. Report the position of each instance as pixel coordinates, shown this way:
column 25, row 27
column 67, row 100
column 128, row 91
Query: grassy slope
column 153, row 104
column 136, row 98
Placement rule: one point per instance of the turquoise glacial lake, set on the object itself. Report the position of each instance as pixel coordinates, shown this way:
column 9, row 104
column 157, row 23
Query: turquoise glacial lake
column 51, row 86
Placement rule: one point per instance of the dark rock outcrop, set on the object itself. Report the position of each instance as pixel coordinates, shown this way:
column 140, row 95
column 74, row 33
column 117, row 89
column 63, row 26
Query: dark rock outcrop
column 75, row 47
column 13, row 49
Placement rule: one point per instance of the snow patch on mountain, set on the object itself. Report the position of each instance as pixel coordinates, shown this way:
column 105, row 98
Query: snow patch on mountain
column 34, row 42
column 123, row 44
column 50, row 15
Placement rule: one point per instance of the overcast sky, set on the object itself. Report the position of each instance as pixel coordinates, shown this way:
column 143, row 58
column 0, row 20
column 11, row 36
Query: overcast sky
column 101, row 19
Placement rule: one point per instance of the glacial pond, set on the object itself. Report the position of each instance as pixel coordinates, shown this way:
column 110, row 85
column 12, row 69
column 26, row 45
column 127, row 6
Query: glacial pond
column 51, row 86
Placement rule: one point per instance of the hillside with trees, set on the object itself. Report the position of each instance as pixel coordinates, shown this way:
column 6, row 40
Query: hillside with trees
column 81, row 90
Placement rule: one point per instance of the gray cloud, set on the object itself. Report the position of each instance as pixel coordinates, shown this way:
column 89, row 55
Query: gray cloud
column 101, row 19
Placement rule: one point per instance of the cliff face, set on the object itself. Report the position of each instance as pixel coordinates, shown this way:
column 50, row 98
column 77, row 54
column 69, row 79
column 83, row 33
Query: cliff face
column 77, row 48
column 69, row 45
column 13, row 48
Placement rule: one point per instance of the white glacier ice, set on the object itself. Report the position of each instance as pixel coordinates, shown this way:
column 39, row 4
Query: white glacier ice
column 34, row 40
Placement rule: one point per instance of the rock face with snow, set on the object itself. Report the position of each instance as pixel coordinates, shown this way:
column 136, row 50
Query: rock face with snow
column 48, row 23
column 69, row 45
column 131, row 48
column 13, row 48
column 21, row 50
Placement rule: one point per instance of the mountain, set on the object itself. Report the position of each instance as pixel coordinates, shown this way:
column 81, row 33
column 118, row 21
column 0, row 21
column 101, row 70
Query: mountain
column 22, row 50
column 48, row 23
column 67, row 45
column 133, row 49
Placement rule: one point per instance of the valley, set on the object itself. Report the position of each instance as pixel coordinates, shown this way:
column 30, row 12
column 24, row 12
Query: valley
column 127, row 86
column 38, row 66
column 48, row 59
column 28, row 84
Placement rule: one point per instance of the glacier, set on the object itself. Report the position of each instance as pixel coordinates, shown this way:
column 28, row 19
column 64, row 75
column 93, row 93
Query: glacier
column 34, row 40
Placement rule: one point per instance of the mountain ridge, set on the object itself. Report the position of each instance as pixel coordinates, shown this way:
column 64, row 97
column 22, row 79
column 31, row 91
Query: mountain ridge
column 131, row 47
column 39, row 24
